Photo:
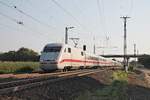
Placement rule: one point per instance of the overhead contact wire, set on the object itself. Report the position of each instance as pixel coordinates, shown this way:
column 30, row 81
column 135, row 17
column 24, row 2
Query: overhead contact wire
column 26, row 14
column 68, row 13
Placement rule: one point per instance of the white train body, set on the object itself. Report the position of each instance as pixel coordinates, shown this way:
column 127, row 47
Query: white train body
column 61, row 56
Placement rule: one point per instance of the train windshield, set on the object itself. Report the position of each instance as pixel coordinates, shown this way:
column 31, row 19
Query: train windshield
column 50, row 53
column 52, row 49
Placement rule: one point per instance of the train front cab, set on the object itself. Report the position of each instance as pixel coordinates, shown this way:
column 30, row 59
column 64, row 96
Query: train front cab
column 49, row 57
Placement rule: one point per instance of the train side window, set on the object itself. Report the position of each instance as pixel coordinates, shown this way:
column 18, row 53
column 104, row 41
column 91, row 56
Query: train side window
column 82, row 53
column 69, row 50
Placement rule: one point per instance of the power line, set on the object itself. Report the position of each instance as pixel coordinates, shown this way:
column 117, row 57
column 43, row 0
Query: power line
column 24, row 13
column 68, row 13
column 8, row 27
column 15, row 29
column 101, row 14
column 99, row 9
column 31, row 17
column 34, row 31
column 127, row 10
column 77, row 7
column 5, row 4
column 20, row 23
column 12, row 19
column 131, row 7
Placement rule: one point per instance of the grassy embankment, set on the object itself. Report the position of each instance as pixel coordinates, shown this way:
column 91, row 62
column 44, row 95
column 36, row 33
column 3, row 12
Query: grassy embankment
column 115, row 91
column 18, row 67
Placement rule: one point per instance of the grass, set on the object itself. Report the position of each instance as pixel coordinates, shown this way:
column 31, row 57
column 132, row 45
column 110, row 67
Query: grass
column 18, row 67
column 115, row 91
column 120, row 76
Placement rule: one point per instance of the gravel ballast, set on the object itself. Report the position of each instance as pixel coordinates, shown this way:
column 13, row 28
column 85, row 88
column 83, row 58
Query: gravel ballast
column 67, row 89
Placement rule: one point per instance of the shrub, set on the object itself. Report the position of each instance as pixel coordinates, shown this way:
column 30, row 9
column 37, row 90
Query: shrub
column 120, row 75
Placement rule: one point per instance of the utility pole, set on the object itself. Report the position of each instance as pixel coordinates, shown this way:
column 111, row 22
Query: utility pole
column 94, row 48
column 134, row 49
column 135, row 54
column 66, row 34
column 125, row 43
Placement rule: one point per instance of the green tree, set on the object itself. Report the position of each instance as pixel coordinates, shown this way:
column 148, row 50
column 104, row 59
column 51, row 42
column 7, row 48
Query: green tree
column 23, row 54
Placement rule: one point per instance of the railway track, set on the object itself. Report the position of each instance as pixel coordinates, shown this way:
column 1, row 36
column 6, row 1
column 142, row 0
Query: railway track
column 18, row 85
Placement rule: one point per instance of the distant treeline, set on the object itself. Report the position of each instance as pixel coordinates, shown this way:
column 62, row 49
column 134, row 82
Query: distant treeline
column 23, row 54
column 145, row 60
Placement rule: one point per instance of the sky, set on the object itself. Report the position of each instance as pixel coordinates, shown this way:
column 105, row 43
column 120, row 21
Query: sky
column 95, row 22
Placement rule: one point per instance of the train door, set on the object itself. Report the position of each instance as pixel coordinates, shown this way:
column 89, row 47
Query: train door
column 85, row 60
column 67, row 59
column 70, row 57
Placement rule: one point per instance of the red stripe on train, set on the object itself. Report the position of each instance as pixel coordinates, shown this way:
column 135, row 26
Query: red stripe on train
column 81, row 61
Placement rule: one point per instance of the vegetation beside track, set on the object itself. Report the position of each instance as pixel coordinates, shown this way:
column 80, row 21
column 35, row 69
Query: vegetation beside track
column 115, row 91
column 18, row 67
column 22, row 54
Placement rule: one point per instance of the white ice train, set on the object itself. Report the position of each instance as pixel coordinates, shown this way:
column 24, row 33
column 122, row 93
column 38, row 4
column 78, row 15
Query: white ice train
column 57, row 56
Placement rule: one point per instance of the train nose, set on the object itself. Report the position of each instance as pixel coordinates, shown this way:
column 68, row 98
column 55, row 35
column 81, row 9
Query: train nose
column 48, row 65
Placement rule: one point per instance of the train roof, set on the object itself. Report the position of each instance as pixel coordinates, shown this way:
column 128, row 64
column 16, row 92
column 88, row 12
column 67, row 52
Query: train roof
column 54, row 44
column 59, row 44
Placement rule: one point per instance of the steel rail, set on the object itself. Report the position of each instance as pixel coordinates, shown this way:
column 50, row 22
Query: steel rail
column 19, row 85
column 35, row 79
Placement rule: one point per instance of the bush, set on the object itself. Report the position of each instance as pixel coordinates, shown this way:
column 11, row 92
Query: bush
column 120, row 75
